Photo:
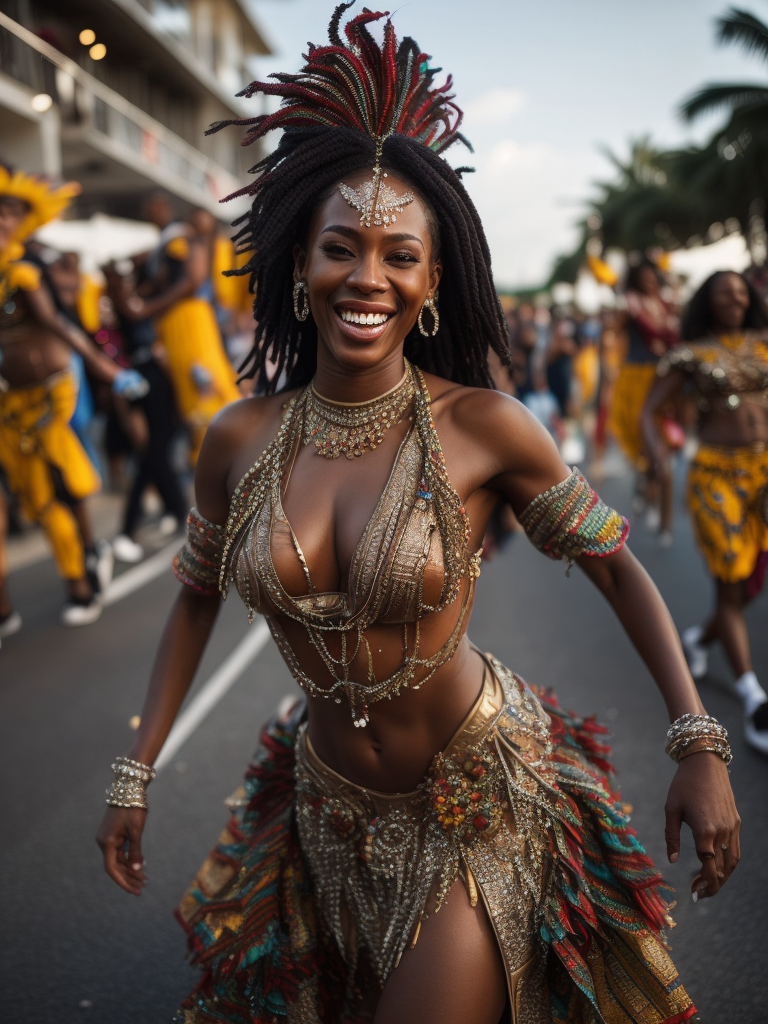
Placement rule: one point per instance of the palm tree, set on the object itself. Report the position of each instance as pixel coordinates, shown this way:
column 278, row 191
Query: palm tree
column 730, row 173
column 736, row 26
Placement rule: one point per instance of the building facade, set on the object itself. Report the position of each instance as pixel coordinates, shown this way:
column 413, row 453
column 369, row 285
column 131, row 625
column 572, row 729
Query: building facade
column 118, row 94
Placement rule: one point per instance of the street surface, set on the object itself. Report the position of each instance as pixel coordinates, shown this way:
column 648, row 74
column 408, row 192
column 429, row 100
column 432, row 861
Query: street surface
column 77, row 949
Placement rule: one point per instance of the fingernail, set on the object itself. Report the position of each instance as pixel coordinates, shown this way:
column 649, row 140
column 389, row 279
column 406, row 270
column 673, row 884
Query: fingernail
column 673, row 858
column 137, row 866
column 721, row 874
column 695, row 897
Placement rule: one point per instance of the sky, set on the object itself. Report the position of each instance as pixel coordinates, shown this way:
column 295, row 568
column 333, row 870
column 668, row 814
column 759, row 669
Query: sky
column 545, row 85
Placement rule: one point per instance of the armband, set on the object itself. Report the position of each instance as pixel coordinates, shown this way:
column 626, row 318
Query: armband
column 570, row 520
column 198, row 563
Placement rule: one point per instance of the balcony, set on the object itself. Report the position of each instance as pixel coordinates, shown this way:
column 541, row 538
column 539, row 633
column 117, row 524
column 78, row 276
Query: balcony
column 108, row 144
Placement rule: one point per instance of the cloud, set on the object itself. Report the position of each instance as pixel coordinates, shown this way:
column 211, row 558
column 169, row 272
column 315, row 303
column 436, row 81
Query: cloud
column 494, row 107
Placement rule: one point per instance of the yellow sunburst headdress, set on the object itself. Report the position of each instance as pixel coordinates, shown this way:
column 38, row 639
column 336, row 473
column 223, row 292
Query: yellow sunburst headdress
column 45, row 201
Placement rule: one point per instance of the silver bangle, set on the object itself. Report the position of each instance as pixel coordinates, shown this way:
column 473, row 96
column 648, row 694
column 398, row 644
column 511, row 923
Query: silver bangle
column 130, row 786
column 700, row 731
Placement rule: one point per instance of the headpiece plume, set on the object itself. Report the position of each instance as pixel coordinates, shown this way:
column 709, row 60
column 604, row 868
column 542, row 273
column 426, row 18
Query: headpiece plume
column 45, row 201
column 380, row 89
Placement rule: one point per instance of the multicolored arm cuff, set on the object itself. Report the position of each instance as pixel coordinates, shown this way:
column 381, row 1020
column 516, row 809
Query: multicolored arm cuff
column 198, row 563
column 570, row 520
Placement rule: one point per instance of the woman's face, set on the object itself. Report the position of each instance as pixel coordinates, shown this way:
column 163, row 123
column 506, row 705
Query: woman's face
column 647, row 281
column 355, row 272
column 729, row 301
column 12, row 213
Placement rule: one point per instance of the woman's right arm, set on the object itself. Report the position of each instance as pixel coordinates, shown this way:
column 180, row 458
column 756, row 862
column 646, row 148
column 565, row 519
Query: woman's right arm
column 181, row 647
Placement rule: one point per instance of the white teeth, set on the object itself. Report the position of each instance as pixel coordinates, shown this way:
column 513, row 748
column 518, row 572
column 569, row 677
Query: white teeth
column 369, row 319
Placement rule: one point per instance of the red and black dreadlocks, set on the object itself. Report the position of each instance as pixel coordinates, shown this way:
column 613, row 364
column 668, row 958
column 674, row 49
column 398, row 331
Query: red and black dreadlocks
column 346, row 96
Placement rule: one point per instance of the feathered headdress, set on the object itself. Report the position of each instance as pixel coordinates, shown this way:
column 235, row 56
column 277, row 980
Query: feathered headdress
column 45, row 201
column 381, row 89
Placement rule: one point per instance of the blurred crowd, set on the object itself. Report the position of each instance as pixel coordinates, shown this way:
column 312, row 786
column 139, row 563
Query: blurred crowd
column 108, row 381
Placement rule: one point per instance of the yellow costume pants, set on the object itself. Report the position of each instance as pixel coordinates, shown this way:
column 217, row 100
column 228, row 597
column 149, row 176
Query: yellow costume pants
column 46, row 465
column 633, row 384
column 725, row 486
column 190, row 337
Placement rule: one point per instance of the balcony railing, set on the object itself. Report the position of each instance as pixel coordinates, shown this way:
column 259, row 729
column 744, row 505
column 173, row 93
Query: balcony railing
column 88, row 108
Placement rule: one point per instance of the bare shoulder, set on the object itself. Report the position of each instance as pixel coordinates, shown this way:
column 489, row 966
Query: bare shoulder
column 513, row 452
column 235, row 439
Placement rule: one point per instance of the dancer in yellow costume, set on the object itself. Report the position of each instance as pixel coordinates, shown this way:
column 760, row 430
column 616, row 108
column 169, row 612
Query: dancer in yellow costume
column 177, row 293
column 43, row 461
column 652, row 328
column 725, row 356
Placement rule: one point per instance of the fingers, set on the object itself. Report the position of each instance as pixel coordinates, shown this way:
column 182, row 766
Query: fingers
column 673, row 820
column 120, row 842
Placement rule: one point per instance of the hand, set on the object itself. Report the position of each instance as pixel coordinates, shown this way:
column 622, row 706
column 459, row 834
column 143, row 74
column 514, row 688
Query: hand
column 701, row 796
column 119, row 837
column 130, row 384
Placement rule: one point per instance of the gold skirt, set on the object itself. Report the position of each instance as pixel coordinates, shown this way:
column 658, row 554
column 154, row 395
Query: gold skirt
column 318, row 886
column 725, row 489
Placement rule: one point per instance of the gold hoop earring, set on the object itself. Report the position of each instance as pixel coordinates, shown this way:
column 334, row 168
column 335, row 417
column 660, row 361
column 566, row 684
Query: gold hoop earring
column 431, row 305
column 301, row 289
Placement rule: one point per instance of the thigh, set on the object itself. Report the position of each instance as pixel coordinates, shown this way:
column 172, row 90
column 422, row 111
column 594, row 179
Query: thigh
column 454, row 974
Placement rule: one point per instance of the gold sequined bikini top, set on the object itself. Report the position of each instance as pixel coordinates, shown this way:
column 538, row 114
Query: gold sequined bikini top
column 411, row 561
column 730, row 369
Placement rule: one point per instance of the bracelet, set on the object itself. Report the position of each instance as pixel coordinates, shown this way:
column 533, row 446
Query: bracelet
column 130, row 786
column 691, row 734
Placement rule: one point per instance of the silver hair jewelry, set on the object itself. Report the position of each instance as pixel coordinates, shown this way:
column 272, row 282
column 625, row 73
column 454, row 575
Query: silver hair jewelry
column 431, row 305
column 376, row 202
column 300, row 289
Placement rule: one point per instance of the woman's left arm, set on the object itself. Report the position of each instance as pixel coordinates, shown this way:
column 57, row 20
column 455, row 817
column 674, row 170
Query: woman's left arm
column 524, row 464
column 700, row 794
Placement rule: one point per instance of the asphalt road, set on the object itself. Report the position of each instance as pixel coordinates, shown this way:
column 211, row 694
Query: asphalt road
column 74, row 948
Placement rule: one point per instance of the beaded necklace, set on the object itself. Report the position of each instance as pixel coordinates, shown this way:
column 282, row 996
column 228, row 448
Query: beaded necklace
column 434, row 497
column 353, row 428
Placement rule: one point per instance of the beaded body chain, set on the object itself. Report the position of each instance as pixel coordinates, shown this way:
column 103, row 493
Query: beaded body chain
column 417, row 503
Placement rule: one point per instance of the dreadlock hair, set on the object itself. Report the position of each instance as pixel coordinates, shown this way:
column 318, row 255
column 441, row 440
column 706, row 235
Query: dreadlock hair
column 333, row 113
column 698, row 320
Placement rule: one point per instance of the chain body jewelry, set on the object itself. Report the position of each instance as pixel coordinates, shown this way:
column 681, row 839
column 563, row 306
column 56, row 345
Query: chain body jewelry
column 352, row 429
column 300, row 290
column 431, row 305
column 692, row 734
column 130, row 786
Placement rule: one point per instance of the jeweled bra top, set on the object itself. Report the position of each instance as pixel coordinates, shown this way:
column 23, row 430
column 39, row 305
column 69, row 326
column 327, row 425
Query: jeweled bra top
column 413, row 558
column 729, row 369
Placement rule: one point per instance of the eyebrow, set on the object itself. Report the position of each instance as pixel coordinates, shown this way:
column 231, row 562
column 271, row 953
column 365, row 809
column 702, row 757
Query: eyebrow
column 396, row 236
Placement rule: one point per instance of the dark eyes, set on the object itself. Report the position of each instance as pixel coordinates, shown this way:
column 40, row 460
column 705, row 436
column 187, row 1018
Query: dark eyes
column 336, row 249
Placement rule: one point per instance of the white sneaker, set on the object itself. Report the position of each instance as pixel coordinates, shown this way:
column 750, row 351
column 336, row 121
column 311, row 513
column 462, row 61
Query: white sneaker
column 696, row 654
column 168, row 524
column 653, row 518
column 81, row 614
column 126, row 549
column 756, row 728
column 10, row 625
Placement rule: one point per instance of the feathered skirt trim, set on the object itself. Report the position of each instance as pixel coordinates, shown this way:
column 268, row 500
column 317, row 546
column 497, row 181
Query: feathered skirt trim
column 518, row 806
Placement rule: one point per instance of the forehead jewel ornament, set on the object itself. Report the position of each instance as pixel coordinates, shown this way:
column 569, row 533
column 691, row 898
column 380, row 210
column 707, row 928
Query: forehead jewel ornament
column 377, row 203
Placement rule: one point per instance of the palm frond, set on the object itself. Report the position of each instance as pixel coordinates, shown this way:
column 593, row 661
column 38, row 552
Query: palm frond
column 739, row 26
column 715, row 97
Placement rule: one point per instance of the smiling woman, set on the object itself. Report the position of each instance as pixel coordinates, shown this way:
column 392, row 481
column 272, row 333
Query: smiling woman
column 416, row 774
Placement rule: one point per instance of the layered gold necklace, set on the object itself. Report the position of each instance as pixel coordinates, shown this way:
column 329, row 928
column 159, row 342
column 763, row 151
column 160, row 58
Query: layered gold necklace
column 353, row 428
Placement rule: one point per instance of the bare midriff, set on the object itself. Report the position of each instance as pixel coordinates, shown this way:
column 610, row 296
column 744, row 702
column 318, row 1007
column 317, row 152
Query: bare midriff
column 31, row 352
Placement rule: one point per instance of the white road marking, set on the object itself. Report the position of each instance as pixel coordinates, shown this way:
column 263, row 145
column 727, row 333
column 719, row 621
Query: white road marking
column 132, row 579
column 209, row 696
